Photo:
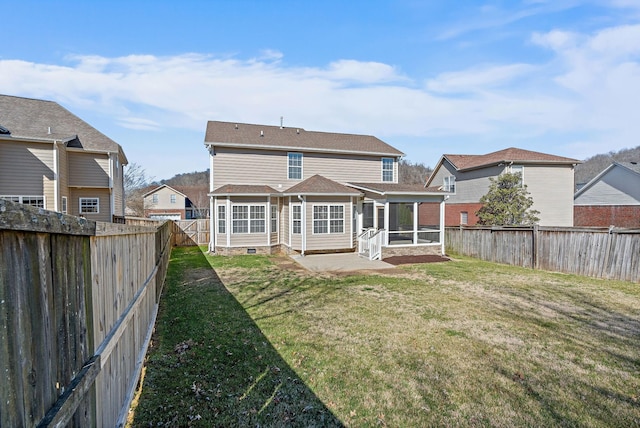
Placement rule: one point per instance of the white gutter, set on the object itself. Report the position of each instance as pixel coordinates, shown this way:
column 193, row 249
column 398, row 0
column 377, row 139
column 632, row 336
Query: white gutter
column 56, row 177
column 212, row 213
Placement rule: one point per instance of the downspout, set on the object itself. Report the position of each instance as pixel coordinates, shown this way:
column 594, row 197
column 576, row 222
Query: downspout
column 212, row 213
column 56, row 177
column 112, row 197
column 303, row 220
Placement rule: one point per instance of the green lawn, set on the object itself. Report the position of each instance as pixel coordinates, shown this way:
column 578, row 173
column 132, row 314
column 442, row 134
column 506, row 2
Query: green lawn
column 252, row 341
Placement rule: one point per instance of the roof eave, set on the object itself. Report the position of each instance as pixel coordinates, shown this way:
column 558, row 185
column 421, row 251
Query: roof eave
column 299, row 148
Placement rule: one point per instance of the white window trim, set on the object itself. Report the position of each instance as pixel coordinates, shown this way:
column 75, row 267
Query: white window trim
column 172, row 198
column 521, row 171
column 328, row 219
column 224, row 220
column 65, row 205
column 21, row 198
column 154, row 198
column 393, row 170
column 97, row 211
column 289, row 165
column 447, row 183
column 249, row 219
column 293, row 220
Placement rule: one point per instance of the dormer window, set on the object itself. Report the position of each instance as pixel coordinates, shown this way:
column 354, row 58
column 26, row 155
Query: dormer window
column 387, row 170
column 449, row 184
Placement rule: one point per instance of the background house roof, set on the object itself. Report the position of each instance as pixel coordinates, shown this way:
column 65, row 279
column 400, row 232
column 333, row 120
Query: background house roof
column 30, row 118
column 512, row 154
column 632, row 166
column 277, row 138
column 319, row 185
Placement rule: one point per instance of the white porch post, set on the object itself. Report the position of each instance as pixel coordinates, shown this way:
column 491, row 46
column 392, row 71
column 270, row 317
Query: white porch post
column 386, row 223
column 442, row 227
column 415, row 223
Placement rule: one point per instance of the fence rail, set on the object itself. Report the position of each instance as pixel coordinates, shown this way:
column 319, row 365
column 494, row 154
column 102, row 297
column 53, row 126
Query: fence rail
column 78, row 301
column 610, row 253
column 192, row 232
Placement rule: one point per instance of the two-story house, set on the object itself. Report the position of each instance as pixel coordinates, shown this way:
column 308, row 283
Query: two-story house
column 52, row 159
column 176, row 203
column 287, row 189
column 612, row 198
column 549, row 180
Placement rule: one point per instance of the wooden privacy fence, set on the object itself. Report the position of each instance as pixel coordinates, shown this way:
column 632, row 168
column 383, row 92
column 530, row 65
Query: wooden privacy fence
column 192, row 232
column 612, row 253
column 78, row 301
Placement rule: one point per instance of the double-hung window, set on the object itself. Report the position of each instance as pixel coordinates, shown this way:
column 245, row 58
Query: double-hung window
column 89, row 206
column 328, row 219
column 154, row 198
column 387, row 169
column 222, row 219
column 450, row 184
column 295, row 166
column 518, row 169
column 172, row 198
column 248, row 219
column 296, row 219
column 34, row 201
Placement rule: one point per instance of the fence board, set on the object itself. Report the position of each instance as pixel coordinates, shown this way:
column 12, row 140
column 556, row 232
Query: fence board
column 601, row 253
column 77, row 306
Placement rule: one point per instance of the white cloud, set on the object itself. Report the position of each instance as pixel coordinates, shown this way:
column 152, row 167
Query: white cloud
column 478, row 78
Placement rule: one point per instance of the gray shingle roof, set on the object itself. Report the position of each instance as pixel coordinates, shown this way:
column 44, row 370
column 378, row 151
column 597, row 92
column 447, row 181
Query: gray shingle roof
column 244, row 189
column 397, row 188
column 319, row 185
column 30, row 118
column 276, row 138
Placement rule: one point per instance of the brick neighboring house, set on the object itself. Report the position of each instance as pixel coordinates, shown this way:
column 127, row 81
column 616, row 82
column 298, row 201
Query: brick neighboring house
column 612, row 198
column 176, row 203
column 549, row 180
column 286, row 189
column 52, row 159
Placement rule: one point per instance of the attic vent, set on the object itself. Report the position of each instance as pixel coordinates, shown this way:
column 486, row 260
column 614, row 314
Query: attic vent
column 4, row 130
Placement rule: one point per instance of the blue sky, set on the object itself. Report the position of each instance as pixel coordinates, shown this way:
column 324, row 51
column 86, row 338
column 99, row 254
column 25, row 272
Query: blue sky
column 428, row 77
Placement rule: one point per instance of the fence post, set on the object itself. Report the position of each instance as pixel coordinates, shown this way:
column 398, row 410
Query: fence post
column 534, row 246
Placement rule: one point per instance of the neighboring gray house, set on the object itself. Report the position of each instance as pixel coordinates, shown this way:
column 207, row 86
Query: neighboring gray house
column 287, row 189
column 612, row 198
column 549, row 180
column 50, row 158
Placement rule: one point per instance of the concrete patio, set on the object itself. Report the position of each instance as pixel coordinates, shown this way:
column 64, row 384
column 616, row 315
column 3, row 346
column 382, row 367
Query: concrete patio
column 343, row 262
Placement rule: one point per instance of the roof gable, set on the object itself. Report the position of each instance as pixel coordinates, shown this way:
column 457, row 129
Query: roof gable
column 632, row 167
column 512, row 154
column 163, row 186
column 319, row 185
column 281, row 138
column 29, row 118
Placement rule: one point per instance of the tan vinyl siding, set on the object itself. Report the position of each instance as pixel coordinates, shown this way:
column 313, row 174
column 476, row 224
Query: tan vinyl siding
column 105, row 203
column 164, row 200
column 88, row 169
column 470, row 185
column 63, row 175
column 236, row 166
column 118, row 187
column 551, row 188
column 328, row 241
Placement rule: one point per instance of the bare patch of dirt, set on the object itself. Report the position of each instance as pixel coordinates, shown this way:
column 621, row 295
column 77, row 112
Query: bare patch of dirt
column 425, row 258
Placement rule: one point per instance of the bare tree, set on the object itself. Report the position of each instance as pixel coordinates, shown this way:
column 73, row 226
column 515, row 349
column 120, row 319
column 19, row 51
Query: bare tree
column 413, row 173
column 135, row 183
